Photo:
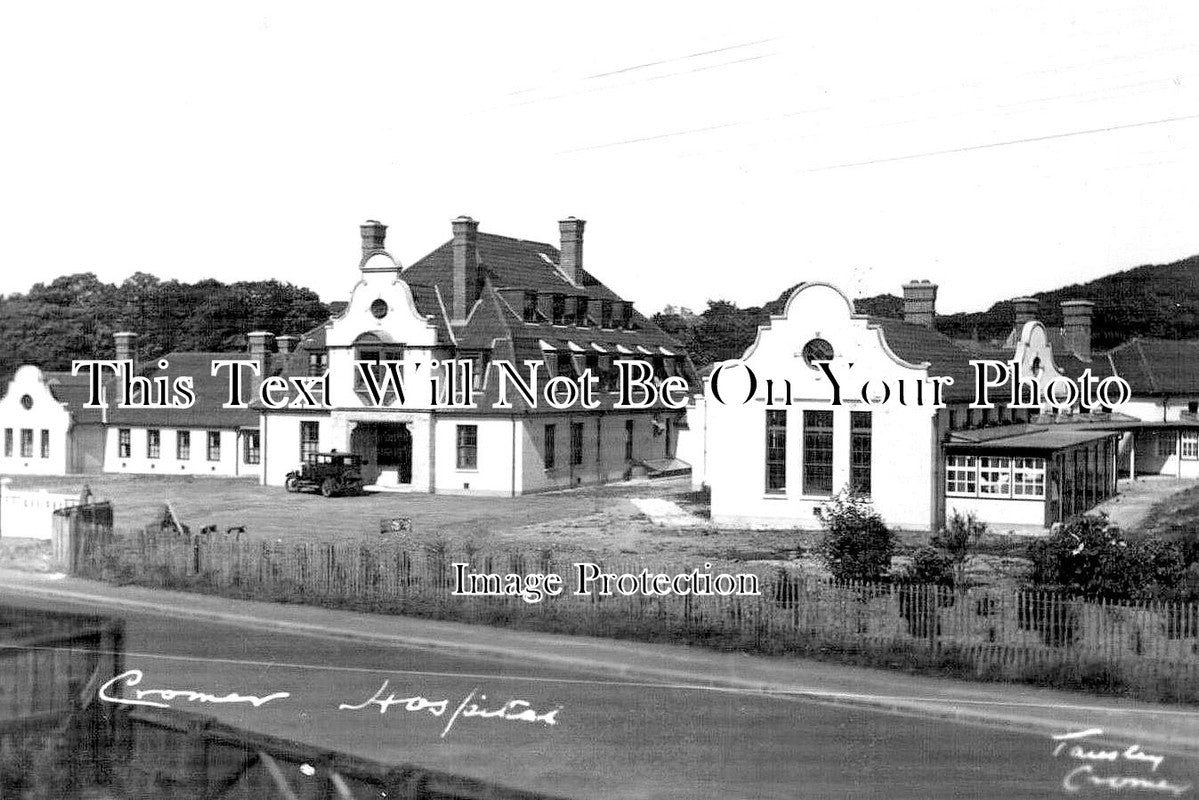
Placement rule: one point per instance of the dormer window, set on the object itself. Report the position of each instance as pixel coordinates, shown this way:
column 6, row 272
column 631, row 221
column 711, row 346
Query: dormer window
column 530, row 309
column 627, row 312
column 606, row 314
column 559, row 309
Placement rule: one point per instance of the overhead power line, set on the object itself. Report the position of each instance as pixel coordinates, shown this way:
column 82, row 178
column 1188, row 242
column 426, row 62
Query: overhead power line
column 1006, row 143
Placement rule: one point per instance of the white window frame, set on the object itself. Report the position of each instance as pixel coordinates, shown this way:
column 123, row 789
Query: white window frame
column 1000, row 485
column 1028, row 478
column 958, row 470
column 1189, row 449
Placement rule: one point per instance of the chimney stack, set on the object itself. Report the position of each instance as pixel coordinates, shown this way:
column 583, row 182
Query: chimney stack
column 260, row 347
column 126, row 345
column 286, row 344
column 1026, row 310
column 466, row 267
column 1076, row 326
column 374, row 234
column 571, row 260
column 920, row 303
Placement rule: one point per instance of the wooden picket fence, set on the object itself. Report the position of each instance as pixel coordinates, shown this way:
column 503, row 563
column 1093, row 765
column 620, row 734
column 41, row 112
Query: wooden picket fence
column 1149, row 649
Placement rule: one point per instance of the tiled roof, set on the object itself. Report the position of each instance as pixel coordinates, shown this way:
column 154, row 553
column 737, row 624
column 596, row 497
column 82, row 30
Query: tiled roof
column 74, row 391
column 917, row 344
column 509, row 267
column 1157, row 366
column 211, row 394
column 510, row 264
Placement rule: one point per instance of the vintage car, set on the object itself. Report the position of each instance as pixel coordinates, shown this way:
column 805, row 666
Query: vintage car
column 328, row 473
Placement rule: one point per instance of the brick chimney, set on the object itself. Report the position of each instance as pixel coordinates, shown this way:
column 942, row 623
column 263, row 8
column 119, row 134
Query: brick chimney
column 571, row 261
column 920, row 303
column 1076, row 326
column 1026, row 310
column 126, row 345
column 260, row 347
column 286, row 344
column 466, row 267
column 374, row 235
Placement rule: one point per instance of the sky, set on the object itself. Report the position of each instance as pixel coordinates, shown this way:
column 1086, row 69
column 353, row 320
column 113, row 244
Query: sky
column 716, row 150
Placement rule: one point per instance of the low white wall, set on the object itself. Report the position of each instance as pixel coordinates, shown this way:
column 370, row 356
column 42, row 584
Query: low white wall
column 30, row 515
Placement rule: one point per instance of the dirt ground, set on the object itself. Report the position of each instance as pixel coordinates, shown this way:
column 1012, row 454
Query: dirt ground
column 587, row 521
column 603, row 522
column 1146, row 497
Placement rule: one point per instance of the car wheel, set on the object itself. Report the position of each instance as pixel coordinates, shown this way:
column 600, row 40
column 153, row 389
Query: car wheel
column 328, row 487
column 292, row 484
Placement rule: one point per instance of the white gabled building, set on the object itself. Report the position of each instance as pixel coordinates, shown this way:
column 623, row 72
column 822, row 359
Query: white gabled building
column 777, row 462
column 46, row 429
column 485, row 298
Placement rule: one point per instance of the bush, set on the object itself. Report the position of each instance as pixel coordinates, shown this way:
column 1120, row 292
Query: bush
column 1091, row 558
column 930, row 566
column 857, row 545
column 957, row 540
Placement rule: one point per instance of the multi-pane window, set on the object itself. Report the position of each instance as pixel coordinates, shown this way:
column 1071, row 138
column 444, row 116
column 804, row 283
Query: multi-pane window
column 559, row 309
column 961, row 475
column 310, row 440
column 8, row 442
column 468, row 447
column 153, row 443
column 576, row 443
column 994, row 476
column 1190, row 444
column 183, row 445
column 45, row 443
column 549, row 456
column 581, row 311
column 628, row 440
column 626, row 313
column 252, row 444
column 605, row 313
column 124, row 446
column 26, row 442
column 1167, row 444
column 214, row 445
column 776, row 451
column 376, row 358
column 529, row 312
column 817, row 452
column 860, row 436
column 1028, row 477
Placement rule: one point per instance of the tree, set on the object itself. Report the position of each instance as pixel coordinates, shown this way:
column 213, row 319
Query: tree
column 857, row 544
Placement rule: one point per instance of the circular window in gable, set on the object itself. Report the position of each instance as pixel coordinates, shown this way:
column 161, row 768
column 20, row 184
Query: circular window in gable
column 379, row 308
column 26, row 402
column 817, row 350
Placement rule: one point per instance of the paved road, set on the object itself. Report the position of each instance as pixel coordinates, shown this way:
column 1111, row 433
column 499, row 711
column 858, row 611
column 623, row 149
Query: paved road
column 612, row 738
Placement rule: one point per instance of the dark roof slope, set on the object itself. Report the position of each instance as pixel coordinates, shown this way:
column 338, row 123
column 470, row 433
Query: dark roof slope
column 1158, row 366
column 211, row 394
column 510, row 264
column 74, row 390
column 917, row 344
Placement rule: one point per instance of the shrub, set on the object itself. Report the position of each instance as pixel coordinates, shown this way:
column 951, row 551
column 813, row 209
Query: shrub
column 1091, row 558
column 857, row 544
column 957, row 540
column 930, row 565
